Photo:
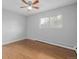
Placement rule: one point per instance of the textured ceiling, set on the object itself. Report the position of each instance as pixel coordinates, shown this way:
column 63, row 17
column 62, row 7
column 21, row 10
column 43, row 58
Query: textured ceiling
column 14, row 5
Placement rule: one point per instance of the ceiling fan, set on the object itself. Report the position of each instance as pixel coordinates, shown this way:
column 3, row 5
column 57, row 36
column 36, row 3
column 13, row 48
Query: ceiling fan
column 30, row 4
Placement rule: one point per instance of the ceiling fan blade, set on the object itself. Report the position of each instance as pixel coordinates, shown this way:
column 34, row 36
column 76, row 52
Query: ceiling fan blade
column 23, row 7
column 35, row 7
column 24, row 2
column 35, row 2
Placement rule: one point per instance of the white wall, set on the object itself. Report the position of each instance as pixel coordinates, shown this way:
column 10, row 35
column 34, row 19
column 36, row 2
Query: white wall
column 66, row 36
column 13, row 26
column 17, row 27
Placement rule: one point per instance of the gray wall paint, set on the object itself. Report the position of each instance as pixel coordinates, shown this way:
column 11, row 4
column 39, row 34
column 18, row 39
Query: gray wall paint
column 13, row 26
column 66, row 36
column 16, row 27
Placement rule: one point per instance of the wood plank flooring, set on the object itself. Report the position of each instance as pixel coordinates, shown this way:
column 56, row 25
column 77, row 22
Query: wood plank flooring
column 29, row 49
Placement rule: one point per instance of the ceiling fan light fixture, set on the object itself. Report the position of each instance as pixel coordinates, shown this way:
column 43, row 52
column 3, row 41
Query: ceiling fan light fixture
column 29, row 7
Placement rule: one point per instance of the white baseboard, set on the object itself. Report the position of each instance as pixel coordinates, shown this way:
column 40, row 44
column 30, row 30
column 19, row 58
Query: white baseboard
column 41, row 41
column 4, row 43
column 53, row 44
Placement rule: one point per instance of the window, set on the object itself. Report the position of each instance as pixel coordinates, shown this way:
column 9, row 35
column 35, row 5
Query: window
column 51, row 22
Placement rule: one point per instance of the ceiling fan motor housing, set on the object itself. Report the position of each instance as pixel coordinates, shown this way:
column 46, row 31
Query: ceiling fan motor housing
column 29, row 3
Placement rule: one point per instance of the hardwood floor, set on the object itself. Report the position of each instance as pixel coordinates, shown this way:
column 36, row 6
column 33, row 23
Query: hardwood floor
column 29, row 49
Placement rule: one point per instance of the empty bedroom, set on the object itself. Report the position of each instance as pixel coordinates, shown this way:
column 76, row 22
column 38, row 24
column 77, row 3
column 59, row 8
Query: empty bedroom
column 39, row 29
